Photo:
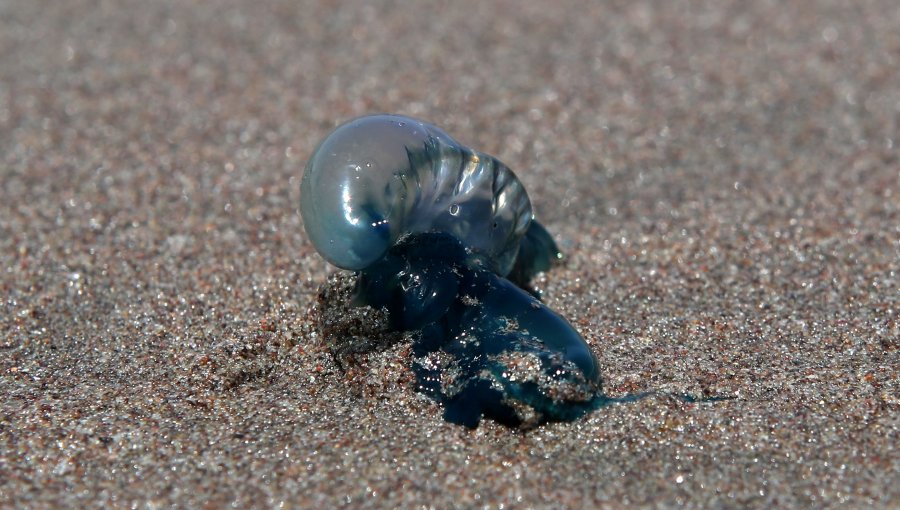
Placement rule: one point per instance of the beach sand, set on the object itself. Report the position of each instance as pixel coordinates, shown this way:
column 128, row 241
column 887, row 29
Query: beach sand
column 722, row 177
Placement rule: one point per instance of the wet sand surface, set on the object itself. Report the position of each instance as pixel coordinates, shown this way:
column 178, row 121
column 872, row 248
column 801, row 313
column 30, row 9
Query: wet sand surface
column 723, row 178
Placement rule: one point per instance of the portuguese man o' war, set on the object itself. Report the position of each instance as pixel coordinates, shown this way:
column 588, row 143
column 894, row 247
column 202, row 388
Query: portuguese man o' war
column 443, row 239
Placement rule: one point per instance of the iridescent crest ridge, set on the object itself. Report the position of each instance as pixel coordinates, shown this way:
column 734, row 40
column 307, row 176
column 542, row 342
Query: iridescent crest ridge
column 378, row 177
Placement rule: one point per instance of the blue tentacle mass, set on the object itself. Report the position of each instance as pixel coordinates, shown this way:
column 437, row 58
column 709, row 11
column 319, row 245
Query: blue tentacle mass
column 443, row 238
column 511, row 357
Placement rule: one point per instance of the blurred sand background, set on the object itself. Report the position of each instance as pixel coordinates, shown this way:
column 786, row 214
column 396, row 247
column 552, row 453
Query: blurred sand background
column 722, row 176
